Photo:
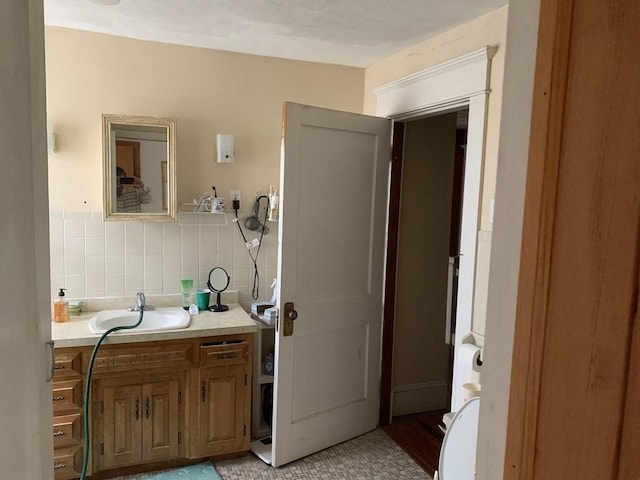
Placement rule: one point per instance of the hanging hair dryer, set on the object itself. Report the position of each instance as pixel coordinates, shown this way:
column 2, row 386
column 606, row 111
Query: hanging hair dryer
column 252, row 222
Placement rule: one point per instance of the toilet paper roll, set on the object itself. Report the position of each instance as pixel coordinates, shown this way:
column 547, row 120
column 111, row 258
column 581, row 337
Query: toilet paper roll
column 467, row 370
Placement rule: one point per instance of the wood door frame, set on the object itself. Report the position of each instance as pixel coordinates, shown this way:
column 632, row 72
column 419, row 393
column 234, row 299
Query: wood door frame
column 597, row 189
column 439, row 89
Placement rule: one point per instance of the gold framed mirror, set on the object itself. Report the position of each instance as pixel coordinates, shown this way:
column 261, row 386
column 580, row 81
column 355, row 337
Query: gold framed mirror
column 139, row 168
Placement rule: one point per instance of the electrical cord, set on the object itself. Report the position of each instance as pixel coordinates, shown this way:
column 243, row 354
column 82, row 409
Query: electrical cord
column 87, row 390
column 255, row 291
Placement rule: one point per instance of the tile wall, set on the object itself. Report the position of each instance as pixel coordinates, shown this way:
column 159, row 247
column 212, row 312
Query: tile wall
column 94, row 258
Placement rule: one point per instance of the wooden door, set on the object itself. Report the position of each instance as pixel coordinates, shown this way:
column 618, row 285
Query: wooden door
column 121, row 426
column 128, row 157
column 575, row 388
column 334, row 184
column 161, row 420
column 223, row 423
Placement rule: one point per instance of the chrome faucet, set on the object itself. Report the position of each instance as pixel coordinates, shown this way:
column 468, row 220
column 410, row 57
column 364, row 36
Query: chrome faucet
column 141, row 304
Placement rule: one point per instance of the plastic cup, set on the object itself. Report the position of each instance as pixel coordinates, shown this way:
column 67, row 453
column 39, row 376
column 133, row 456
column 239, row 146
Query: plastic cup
column 470, row 390
column 202, row 298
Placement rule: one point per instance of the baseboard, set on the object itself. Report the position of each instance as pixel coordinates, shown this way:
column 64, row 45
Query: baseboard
column 419, row 397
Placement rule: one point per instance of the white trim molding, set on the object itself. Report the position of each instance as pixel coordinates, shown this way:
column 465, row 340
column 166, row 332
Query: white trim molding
column 442, row 87
column 419, row 397
column 463, row 82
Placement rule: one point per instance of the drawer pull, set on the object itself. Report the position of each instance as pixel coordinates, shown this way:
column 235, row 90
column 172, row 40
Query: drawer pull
column 59, row 366
column 57, row 466
column 59, row 433
column 58, row 398
column 226, row 356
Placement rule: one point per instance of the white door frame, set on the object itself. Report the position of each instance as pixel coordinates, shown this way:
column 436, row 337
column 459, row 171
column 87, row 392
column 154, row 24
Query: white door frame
column 460, row 82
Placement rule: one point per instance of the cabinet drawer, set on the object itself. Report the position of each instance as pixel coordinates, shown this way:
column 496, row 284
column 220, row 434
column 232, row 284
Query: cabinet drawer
column 67, row 430
column 67, row 463
column 124, row 358
column 228, row 352
column 67, row 365
column 67, row 395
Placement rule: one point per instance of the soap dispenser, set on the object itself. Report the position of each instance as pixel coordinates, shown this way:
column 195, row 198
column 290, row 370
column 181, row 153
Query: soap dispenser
column 61, row 308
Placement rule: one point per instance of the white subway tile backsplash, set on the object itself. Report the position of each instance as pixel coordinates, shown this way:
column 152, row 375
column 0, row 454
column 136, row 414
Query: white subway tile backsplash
column 96, row 285
column 75, row 285
column 190, row 235
column 153, row 238
column 114, row 238
column 171, row 239
column 152, row 281
column 225, row 239
column 94, row 228
column 134, row 264
column 95, row 246
column 133, row 284
column 225, row 260
column 171, row 263
column 114, row 284
column 57, row 266
column 114, row 264
column 171, row 282
column 74, row 228
column 208, row 242
column 189, row 262
column 95, row 265
column 56, row 246
column 153, row 264
column 134, row 238
column 207, row 261
column 91, row 257
column 74, row 265
column 74, row 246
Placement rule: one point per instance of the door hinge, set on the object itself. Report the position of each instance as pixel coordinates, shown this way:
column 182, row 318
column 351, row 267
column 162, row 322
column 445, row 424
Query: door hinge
column 179, row 398
column 102, row 449
column 101, row 406
column 203, row 391
column 179, row 438
column 244, row 430
column 245, row 379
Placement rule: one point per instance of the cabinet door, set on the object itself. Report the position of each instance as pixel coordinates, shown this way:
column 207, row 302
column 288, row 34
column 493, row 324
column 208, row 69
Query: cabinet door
column 161, row 420
column 122, row 426
column 223, row 410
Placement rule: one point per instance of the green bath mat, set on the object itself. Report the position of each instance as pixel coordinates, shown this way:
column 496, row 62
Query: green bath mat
column 201, row 471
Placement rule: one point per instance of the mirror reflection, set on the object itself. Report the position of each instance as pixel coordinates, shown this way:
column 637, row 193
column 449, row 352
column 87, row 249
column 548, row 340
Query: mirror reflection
column 139, row 168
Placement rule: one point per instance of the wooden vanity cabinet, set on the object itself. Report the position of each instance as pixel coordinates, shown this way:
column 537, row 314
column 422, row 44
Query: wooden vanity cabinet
column 154, row 401
column 224, row 397
column 138, row 420
column 66, row 398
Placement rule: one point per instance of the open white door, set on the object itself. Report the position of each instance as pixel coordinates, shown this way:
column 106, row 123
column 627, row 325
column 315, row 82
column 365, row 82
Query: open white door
column 334, row 186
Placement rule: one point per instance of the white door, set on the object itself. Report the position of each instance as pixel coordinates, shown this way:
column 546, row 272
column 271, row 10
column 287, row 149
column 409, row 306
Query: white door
column 334, row 184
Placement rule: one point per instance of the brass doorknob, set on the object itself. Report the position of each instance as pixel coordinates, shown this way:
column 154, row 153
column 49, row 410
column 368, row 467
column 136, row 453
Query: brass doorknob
column 293, row 315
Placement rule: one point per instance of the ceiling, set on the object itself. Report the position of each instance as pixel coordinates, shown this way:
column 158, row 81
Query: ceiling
column 345, row 32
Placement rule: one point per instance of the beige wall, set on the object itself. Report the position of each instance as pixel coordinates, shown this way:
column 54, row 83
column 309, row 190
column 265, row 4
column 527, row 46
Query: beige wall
column 489, row 29
column 207, row 91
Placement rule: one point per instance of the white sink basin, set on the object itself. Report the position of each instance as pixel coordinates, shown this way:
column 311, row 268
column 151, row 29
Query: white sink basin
column 152, row 321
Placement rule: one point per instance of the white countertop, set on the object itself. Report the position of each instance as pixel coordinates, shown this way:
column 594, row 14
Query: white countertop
column 76, row 333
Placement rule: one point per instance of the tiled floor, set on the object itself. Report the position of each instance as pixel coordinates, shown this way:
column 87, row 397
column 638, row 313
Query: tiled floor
column 373, row 456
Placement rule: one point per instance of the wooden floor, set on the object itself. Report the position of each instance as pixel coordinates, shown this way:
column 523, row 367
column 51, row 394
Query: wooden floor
column 420, row 436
